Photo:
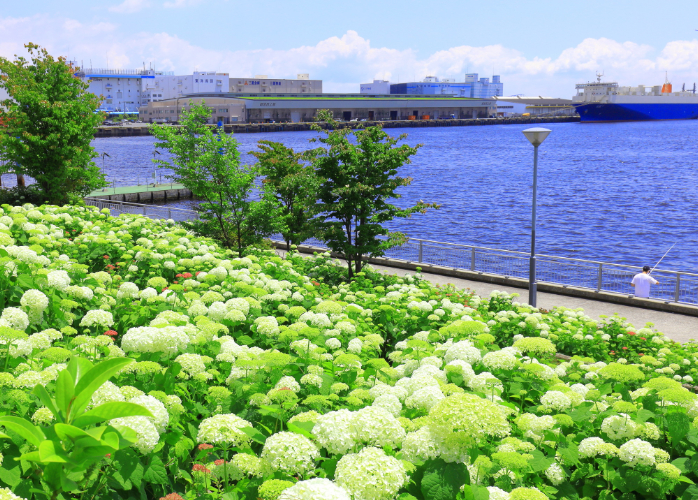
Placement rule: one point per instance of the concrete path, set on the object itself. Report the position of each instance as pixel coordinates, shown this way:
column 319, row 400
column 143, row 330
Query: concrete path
column 675, row 326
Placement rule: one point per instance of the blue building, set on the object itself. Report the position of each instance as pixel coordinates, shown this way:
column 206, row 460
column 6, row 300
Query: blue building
column 472, row 87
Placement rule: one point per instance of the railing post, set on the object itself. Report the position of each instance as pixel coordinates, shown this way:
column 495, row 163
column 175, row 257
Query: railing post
column 169, row 213
column 677, row 290
column 472, row 258
column 144, row 210
column 599, row 278
column 421, row 250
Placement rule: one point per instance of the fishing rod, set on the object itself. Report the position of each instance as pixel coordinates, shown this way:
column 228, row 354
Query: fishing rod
column 655, row 266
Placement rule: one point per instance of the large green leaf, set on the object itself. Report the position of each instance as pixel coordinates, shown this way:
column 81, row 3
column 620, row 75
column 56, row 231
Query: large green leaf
column 442, row 481
column 65, row 391
column 678, row 425
column 71, row 433
column 156, row 472
column 77, row 367
column 24, row 428
column 52, row 452
column 108, row 411
column 129, row 466
column 93, row 380
column 43, row 395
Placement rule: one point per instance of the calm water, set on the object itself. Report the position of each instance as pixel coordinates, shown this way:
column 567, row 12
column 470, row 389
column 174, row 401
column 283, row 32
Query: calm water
column 621, row 192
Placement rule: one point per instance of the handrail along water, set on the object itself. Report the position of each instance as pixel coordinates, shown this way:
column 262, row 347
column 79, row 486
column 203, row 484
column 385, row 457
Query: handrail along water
column 679, row 287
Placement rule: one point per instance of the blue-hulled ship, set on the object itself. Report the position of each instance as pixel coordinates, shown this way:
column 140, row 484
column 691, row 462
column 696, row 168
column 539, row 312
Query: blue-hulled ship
column 607, row 102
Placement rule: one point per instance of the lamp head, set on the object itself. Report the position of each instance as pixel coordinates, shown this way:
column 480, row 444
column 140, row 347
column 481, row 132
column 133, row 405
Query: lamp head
column 536, row 135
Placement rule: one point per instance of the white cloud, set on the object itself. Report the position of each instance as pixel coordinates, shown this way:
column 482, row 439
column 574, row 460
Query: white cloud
column 347, row 60
column 180, row 3
column 129, row 6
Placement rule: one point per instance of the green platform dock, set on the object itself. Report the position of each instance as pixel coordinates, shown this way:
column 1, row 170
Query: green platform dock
column 146, row 193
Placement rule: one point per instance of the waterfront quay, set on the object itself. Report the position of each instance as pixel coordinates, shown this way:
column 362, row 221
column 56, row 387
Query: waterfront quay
column 245, row 128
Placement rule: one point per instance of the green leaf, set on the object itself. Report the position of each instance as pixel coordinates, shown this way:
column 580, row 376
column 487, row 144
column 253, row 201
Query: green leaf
column 540, row 462
column 254, row 434
column 678, row 425
column 52, row 452
column 24, row 428
column 69, row 432
column 474, row 492
column 129, row 466
column 41, row 393
column 156, row 472
column 302, row 428
column 10, row 473
column 65, row 391
column 93, row 380
column 442, row 481
column 108, row 411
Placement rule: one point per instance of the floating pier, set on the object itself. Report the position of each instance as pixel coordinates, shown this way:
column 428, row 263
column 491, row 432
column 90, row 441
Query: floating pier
column 148, row 193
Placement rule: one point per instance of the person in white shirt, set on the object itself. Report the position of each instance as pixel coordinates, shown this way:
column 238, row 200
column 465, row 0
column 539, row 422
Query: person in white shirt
column 642, row 282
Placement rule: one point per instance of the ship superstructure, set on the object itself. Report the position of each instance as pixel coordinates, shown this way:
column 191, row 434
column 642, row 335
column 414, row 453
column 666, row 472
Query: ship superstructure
column 607, row 101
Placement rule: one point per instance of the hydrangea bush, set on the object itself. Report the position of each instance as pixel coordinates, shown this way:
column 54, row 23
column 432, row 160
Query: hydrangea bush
column 267, row 377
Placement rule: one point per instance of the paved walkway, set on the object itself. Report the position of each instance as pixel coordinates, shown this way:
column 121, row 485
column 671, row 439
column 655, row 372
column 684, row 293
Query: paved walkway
column 675, row 326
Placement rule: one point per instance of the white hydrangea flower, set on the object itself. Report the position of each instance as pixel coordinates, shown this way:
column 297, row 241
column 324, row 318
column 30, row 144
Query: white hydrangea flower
column 148, row 436
column 424, row 399
column 34, row 300
column 290, row 453
column 223, row 428
column 371, row 474
column 160, row 417
column 314, row 489
column 619, row 427
column 97, row 317
column 14, row 318
column 637, row 452
column 58, row 279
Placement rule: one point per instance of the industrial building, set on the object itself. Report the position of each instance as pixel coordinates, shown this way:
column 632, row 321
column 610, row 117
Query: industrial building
column 211, row 82
column 253, row 108
column 262, row 85
column 122, row 89
column 170, row 86
column 472, row 86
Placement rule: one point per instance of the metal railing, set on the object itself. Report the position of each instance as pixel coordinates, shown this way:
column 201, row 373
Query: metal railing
column 600, row 276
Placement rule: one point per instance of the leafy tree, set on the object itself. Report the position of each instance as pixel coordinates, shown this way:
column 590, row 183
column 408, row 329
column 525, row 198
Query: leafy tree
column 207, row 162
column 357, row 180
column 48, row 124
column 295, row 186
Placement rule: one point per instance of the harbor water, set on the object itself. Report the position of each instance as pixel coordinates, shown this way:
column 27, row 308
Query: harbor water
column 613, row 192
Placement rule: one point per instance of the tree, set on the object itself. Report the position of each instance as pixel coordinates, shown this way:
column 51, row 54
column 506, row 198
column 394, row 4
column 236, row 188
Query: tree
column 49, row 122
column 207, row 161
column 357, row 180
column 295, row 186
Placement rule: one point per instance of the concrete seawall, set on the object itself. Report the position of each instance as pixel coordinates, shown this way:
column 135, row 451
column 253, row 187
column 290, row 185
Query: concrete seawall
column 244, row 128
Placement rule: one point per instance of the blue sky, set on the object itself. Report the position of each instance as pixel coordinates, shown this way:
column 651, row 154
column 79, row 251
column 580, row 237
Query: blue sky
column 539, row 48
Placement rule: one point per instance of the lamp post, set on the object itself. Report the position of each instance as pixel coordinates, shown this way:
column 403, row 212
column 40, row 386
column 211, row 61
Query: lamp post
column 535, row 136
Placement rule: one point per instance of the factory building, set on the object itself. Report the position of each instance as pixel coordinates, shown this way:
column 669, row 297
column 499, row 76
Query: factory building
column 231, row 108
column 211, row 82
column 121, row 89
column 170, row 86
column 263, row 85
column 474, row 87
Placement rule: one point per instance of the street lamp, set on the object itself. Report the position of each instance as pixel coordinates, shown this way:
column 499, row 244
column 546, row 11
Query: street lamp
column 535, row 136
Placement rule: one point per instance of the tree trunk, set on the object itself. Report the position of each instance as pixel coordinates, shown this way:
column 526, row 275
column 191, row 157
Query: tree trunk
column 20, row 181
